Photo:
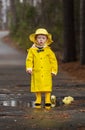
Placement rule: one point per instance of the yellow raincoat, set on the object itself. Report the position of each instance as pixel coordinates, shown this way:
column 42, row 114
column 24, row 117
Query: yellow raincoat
column 43, row 64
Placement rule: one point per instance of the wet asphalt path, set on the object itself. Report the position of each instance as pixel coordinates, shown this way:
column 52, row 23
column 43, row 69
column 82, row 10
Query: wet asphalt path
column 16, row 101
column 10, row 56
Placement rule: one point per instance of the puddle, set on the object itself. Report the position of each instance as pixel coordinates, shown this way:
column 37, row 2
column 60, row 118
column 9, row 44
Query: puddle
column 20, row 100
column 15, row 103
column 15, row 100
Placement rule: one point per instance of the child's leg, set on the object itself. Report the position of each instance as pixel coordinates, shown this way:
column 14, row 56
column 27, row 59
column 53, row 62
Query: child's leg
column 38, row 100
column 47, row 100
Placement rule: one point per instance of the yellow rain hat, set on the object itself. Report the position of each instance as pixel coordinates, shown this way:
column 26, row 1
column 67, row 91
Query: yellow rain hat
column 41, row 31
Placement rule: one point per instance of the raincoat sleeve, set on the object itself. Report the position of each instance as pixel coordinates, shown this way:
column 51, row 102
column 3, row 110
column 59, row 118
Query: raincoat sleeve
column 54, row 62
column 29, row 60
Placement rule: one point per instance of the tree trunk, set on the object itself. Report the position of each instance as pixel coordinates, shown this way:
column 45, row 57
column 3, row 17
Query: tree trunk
column 69, row 53
column 13, row 12
column 82, row 32
column 0, row 14
column 77, row 24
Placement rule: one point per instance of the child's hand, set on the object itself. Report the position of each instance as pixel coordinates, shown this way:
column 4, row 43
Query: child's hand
column 53, row 74
column 29, row 71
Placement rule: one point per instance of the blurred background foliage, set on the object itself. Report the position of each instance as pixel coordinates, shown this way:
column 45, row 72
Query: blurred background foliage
column 26, row 18
column 64, row 19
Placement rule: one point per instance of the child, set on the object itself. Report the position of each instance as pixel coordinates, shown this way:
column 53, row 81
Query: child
column 41, row 63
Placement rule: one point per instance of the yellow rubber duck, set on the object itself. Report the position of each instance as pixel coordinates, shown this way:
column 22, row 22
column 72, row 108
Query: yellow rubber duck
column 68, row 100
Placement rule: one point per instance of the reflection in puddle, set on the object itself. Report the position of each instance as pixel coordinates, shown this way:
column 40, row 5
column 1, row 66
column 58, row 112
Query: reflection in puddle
column 12, row 100
column 12, row 103
column 15, row 103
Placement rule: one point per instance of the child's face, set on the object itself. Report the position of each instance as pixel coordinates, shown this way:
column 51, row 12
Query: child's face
column 41, row 39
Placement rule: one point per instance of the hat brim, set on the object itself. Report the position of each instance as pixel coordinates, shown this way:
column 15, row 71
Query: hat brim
column 33, row 39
